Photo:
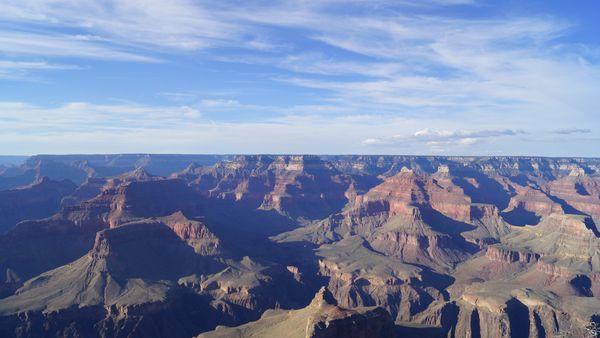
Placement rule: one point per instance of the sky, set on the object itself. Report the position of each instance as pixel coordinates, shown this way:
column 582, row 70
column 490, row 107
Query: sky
column 428, row 77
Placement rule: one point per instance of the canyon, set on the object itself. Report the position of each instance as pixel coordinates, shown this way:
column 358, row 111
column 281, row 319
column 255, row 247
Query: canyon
column 145, row 245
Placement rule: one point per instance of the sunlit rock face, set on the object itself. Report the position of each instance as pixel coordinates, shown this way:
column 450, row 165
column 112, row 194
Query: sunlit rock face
column 390, row 245
column 321, row 318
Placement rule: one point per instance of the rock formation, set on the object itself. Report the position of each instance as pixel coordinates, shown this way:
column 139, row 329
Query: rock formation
column 161, row 245
column 322, row 318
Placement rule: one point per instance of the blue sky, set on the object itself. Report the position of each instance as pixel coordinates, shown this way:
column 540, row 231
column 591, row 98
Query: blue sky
column 442, row 77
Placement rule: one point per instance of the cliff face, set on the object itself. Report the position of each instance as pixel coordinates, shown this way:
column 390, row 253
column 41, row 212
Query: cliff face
column 194, row 232
column 296, row 186
column 359, row 276
column 504, row 310
column 412, row 216
column 581, row 192
column 36, row 246
column 118, row 280
column 406, row 246
column 38, row 200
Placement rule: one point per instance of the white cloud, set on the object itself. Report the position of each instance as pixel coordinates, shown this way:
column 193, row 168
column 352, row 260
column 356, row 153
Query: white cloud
column 372, row 141
column 444, row 135
column 178, row 24
column 408, row 62
column 82, row 127
column 573, row 131
column 464, row 79
column 130, row 30
column 24, row 118
column 439, row 140
column 468, row 140
column 68, row 46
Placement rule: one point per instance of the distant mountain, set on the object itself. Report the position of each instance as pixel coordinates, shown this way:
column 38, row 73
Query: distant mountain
column 11, row 160
column 77, row 168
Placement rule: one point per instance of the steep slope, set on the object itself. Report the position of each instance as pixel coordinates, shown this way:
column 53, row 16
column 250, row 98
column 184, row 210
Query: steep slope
column 113, row 272
column 13, row 177
column 137, row 274
column 89, row 189
column 194, row 232
column 37, row 246
column 561, row 235
column 129, row 276
column 358, row 276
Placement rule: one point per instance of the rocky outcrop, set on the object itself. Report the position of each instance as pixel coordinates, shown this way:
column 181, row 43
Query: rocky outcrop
column 321, row 318
column 484, row 211
column 579, row 194
column 398, row 218
column 433, row 249
column 532, row 200
column 563, row 240
column 126, row 201
column 251, row 286
column 149, row 251
column 359, row 276
column 499, row 253
column 194, row 232
column 302, row 181
column 446, row 197
column 503, row 310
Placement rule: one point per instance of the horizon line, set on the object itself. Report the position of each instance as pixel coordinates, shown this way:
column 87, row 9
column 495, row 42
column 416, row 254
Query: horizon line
column 292, row 154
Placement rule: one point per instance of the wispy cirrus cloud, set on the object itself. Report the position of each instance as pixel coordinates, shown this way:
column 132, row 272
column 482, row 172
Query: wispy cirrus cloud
column 25, row 118
column 20, row 69
column 178, row 24
column 123, row 30
column 65, row 46
column 460, row 79
column 499, row 68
